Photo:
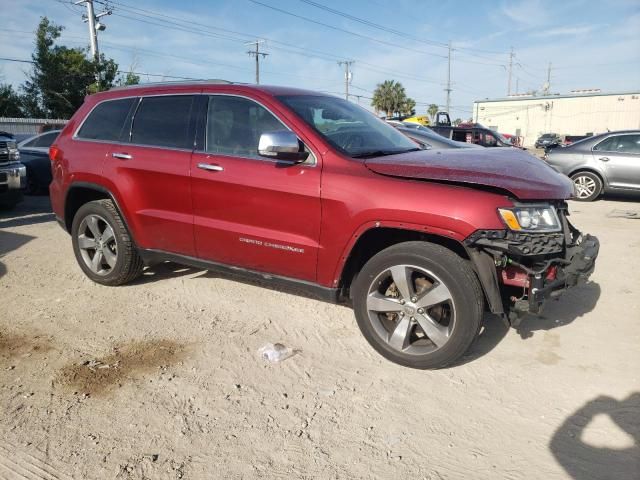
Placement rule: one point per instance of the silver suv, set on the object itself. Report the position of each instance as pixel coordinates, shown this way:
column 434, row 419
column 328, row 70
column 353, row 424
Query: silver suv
column 609, row 162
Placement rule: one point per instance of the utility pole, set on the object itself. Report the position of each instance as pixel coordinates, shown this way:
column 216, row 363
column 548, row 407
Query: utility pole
column 257, row 53
column 448, row 89
column 547, row 86
column 511, row 55
column 347, row 76
column 94, row 26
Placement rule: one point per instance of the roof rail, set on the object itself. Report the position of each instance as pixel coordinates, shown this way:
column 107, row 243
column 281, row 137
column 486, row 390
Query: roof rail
column 214, row 81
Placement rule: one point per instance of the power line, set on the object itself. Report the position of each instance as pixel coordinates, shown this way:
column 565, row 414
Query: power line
column 117, row 71
column 374, row 25
column 304, row 51
column 400, row 33
column 333, row 27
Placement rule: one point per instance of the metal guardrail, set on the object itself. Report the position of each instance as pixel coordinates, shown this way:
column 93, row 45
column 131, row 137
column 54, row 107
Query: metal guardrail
column 30, row 126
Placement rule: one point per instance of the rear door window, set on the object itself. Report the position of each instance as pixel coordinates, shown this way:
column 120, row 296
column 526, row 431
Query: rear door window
column 163, row 121
column 107, row 120
column 628, row 144
column 607, row 145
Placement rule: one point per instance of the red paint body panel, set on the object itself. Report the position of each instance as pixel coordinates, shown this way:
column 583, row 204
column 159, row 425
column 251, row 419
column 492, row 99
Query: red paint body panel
column 513, row 170
column 153, row 189
column 257, row 214
column 298, row 221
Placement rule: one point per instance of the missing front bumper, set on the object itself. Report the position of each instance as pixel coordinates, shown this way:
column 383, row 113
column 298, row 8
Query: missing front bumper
column 580, row 266
column 540, row 275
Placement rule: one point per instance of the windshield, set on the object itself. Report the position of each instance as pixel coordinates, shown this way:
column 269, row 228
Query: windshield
column 349, row 128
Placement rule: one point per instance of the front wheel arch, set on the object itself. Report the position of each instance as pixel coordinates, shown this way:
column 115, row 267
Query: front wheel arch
column 376, row 239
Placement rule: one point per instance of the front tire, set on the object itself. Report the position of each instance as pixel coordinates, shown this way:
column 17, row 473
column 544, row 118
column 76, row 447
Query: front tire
column 418, row 304
column 588, row 186
column 102, row 245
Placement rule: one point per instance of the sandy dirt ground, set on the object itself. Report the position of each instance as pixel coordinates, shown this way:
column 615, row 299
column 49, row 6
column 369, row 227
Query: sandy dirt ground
column 160, row 379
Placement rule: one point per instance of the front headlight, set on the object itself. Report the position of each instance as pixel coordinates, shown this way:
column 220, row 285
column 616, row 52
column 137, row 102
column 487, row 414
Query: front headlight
column 539, row 218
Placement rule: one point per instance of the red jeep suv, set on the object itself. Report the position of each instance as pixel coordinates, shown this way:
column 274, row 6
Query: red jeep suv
column 311, row 193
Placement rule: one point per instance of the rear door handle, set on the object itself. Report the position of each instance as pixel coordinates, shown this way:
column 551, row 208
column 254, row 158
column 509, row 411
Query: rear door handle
column 122, row 156
column 210, row 167
column 604, row 159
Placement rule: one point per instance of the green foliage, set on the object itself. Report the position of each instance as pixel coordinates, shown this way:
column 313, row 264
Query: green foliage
column 457, row 122
column 390, row 97
column 10, row 102
column 432, row 111
column 129, row 79
column 61, row 77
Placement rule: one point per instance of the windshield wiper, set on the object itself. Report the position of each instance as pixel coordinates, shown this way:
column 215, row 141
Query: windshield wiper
column 382, row 153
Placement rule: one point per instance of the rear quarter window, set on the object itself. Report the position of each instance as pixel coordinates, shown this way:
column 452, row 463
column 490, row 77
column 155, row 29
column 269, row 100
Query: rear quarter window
column 107, row 120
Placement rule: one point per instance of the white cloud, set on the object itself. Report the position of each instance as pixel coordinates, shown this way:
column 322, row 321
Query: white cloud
column 566, row 31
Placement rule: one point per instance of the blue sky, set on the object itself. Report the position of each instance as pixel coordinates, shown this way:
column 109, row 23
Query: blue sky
column 591, row 44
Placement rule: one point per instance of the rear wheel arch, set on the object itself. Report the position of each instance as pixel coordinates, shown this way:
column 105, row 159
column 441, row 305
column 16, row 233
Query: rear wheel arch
column 81, row 193
column 376, row 239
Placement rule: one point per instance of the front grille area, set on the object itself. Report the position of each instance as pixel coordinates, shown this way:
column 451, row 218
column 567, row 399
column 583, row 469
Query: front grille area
column 3, row 144
column 535, row 244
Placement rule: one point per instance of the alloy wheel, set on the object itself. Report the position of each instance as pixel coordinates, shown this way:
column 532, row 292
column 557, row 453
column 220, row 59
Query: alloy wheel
column 97, row 244
column 585, row 186
column 411, row 309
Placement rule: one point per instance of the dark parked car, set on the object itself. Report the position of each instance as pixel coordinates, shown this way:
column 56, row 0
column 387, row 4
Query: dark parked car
column 477, row 135
column 12, row 172
column 34, row 154
column 308, row 191
column 609, row 162
column 428, row 139
column 547, row 140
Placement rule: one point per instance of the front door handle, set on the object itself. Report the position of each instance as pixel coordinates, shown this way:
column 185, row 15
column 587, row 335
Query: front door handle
column 210, row 167
column 122, row 156
column 604, row 159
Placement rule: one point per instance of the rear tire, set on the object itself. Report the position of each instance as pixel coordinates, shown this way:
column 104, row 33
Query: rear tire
column 427, row 321
column 588, row 186
column 102, row 245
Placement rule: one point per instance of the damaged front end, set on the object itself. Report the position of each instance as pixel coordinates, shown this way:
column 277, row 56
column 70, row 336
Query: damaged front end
column 521, row 268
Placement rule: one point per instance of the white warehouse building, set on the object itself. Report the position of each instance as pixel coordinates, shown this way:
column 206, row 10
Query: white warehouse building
column 580, row 112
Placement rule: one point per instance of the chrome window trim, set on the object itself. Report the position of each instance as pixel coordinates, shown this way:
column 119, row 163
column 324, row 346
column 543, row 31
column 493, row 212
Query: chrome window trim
column 86, row 117
column 75, row 136
column 139, row 97
column 306, row 163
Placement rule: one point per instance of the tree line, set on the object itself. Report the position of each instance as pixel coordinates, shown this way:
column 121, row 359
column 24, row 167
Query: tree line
column 59, row 79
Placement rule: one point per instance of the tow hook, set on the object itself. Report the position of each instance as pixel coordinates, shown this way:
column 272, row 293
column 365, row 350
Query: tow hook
column 537, row 284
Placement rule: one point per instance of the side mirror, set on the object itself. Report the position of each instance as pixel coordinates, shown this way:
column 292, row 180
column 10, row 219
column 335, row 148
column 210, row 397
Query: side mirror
column 281, row 145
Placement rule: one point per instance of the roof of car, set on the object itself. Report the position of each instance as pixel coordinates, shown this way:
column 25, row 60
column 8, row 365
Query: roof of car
column 212, row 85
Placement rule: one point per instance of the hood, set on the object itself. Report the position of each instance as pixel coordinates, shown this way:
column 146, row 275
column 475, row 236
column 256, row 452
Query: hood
column 523, row 175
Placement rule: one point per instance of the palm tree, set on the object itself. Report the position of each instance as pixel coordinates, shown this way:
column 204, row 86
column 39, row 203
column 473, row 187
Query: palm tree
column 390, row 97
column 432, row 111
column 408, row 107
